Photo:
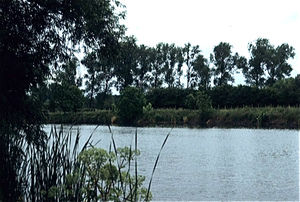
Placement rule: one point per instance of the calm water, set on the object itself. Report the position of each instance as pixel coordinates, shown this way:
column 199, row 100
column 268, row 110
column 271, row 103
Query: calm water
column 213, row 164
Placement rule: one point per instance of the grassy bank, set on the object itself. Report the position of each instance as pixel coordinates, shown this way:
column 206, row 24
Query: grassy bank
column 267, row 117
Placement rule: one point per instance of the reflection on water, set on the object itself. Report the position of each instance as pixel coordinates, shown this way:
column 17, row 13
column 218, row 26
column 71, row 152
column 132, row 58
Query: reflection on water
column 213, row 164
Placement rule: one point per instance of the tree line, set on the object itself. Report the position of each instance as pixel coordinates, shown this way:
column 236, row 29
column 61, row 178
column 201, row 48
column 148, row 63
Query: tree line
column 162, row 66
column 151, row 68
column 285, row 92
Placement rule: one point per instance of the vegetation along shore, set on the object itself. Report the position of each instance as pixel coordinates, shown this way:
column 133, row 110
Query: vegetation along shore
column 266, row 117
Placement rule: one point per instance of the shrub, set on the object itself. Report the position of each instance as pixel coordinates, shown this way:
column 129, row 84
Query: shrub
column 204, row 105
column 190, row 101
column 130, row 105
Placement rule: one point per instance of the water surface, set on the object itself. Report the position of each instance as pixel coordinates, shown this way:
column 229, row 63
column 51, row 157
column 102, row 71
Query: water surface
column 212, row 164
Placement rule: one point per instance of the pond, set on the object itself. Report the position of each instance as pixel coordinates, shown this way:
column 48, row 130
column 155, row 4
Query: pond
column 211, row 164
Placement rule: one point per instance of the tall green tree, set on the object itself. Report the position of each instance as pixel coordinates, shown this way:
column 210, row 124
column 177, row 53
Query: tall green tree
column 170, row 59
column 101, row 69
column 277, row 65
column 126, row 62
column 265, row 58
column 92, row 77
column 67, row 74
column 202, row 73
column 260, row 54
column 142, row 72
column 190, row 54
column 223, row 62
column 34, row 36
column 67, row 98
column 179, row 71
column 157, row 60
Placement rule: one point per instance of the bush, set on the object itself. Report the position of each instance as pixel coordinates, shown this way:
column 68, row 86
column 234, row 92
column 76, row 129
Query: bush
column 204, row 105
column 130, row 105
column 190, row 101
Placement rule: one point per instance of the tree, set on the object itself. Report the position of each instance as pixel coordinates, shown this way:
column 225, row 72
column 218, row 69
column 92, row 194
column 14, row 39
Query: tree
column 260, row 52
column 179, row 72
column 264, row 57
column 169, row 58
column 157, row 66
column 144, row 66
column 126, row 63
column 100, row 71
column 190, row 54
column 68, row 73
column 202, row 72
column 92, row 77
column 34, row 36
column 223, row 62
column 67, row 98
column 172, row 64
column 277, row 65
column 130, row 104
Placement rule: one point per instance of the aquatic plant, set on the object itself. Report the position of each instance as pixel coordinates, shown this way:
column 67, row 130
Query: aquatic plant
column 61, row 171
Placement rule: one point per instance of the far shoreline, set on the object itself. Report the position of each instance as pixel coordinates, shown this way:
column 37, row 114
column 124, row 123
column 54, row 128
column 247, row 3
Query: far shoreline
column 264, row 118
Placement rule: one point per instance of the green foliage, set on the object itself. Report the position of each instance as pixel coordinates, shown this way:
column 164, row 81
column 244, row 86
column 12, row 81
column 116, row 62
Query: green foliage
column 266, row 117
column 190, row 101
column 59, row 171
column 148, row 108
column 34, row 36
column 168, row 98
column 102, row 117
column 287, row 91
column 67, row 98
column 144, row 63
column 104, row 180
column 126, row 62
column 157, row 61
column 201, row 76
column 104, row 101
column 67, row 74
column 190, row 54
column 265, row 58
column 130, row 104
column 204, row 105
column 223, row 61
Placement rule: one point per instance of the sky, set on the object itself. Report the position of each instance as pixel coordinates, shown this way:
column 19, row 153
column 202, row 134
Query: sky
column 208, row 22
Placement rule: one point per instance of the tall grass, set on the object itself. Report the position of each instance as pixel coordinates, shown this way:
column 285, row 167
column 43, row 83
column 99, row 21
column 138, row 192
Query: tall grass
column 268, row 117
column 61, row 171
column 49, row 170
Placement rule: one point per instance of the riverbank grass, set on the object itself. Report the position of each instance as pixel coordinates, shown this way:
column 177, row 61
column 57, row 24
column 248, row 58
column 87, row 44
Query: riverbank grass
column 266, row 117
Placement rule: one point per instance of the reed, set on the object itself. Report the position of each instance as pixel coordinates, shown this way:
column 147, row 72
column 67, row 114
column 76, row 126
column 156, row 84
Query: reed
column 157, row 158
column 49, row 170
column 273, row 117
column 61, row 171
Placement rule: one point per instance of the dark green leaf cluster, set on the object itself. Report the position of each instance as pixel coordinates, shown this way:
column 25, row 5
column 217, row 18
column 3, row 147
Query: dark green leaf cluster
column 130, row 104
column 35, row 37
column 265, row 58
column 285, row 92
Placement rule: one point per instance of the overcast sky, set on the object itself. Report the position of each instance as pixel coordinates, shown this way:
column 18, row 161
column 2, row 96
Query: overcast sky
column 208, row 22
